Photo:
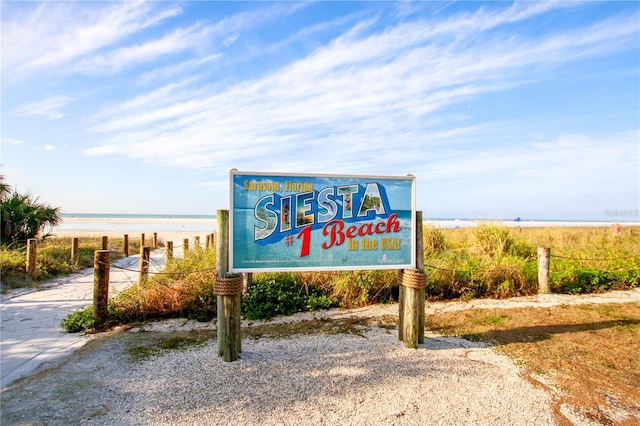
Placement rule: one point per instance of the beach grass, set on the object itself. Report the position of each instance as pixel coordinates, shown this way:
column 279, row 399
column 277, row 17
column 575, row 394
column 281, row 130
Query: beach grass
column 54, row 259
column 495, row 261
column 486, row 261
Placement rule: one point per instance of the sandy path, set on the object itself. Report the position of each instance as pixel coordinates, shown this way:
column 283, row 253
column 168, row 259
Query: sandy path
column 32, row 338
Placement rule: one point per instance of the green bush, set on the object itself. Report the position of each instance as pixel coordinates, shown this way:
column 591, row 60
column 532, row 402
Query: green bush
column 492, row 240
column 275, row 294
column 81, row 320
column 590, row 280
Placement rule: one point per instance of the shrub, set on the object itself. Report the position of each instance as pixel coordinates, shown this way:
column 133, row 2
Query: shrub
column 185, row 289
column 78, row 321
column 272, row 294
column 492, row 240
column 590, row 280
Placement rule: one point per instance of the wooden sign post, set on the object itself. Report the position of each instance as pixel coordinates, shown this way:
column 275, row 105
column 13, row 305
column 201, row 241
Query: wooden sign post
column 227, row 288
column 413, row 294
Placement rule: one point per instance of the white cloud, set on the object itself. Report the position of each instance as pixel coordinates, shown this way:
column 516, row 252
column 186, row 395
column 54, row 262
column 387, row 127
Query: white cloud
column 50, row 107
column 52, row 34
column 101, row 150
column 571, row 170
column 351, row 96
column 48, row 147
column 12, row 141
column 170, row 71
column 118, row 59
column 377, row 98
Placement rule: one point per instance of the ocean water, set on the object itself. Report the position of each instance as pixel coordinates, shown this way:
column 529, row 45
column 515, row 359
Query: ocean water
column 136, row 222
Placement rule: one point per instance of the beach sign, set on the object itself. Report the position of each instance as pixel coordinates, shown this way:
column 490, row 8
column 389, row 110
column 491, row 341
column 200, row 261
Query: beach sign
column 315, row 222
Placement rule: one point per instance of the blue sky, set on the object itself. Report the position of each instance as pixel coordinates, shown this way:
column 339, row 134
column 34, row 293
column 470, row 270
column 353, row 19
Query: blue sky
column 500, row 109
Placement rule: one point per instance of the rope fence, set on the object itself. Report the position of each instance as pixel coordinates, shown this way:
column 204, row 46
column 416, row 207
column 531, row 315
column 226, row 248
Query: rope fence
column 636, row 256
column 162, row 273
column 529, row 259
column 471, row 271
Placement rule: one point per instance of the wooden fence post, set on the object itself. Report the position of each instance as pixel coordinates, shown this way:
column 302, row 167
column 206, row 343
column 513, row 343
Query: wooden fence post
column 207, row 241
column 75, row 251
column 213, row 240
column 169, row 251
column 196, row 242
column 155, row 240
column 105, row 243
column 544, row 255
column 32, row 257
column 145, row 253
column 185, row 246
column 142, row 241
column 126, row 245
column 101, row 264
column 228, row 302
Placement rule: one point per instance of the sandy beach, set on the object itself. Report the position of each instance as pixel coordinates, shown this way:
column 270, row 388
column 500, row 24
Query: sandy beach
column 169, row 229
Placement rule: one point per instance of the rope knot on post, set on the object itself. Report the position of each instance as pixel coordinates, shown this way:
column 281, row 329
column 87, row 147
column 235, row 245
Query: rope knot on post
column 230, row 285
column 412, row 278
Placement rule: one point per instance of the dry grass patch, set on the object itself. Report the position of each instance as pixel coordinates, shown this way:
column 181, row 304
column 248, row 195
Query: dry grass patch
column 588, row 354
column 355, row 326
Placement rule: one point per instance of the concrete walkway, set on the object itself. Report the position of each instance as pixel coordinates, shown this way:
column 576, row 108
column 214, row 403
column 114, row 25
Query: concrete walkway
column 31, row 338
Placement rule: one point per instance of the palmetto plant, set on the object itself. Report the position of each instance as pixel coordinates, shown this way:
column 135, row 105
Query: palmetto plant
column 23, row 217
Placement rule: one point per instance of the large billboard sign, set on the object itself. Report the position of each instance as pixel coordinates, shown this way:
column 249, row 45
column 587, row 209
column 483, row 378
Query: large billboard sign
column 285, row 222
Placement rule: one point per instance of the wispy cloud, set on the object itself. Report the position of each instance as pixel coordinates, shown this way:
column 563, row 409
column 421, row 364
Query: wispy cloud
column 101, row 150
column 12, row 141
column 118, row 59
column 53, row 34
column 389, row 88
column 50, row 107
column 355, row 94
column 175, row 70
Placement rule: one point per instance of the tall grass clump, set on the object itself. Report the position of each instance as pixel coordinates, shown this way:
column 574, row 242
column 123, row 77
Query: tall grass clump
column 479, row 262
column 495, row 261
column 184, row 289
column 353, row 289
